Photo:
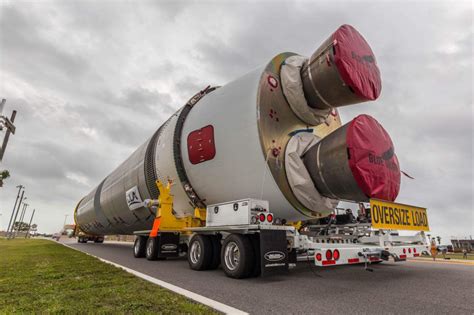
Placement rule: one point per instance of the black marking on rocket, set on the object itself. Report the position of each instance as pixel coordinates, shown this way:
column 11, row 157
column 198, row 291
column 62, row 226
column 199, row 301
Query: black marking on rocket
column 149, row 164
column 103, row 220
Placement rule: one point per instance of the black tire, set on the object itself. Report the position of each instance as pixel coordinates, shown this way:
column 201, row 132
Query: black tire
column 200, row 252
column 139, row 247
column 152, row 248
column 99, row 240
column 243, row 267
column 216, row 251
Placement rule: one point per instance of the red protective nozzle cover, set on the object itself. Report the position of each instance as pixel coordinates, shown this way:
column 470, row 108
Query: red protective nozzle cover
column 356, row 63
column 372, row 158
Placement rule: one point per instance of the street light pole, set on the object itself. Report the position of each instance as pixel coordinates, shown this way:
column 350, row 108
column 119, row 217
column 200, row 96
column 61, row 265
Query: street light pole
column 65, row 218
column 20, row 187
column 16, row 214
column 29, row 225
column 22, row 216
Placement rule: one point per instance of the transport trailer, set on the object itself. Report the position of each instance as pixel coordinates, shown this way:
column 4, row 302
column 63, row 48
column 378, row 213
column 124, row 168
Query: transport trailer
column 84, row 237
column 245, row 175
column 244, row 238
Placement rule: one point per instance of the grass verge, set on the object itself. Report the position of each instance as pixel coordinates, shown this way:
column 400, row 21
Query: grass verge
column 40, row 276
column 455, row 256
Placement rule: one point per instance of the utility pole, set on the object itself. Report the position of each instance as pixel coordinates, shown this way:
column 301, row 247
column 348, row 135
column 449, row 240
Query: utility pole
column 7, row 123
column 65, row 218
column 9, row 233
column 29, row 225
column 20, row 187
column 23, row 212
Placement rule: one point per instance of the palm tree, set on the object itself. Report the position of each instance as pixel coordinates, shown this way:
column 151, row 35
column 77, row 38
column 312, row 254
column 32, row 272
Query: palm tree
column 4, row 175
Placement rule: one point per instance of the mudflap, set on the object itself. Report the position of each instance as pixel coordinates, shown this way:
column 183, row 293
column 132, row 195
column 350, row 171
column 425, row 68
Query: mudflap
column 168, row 244
column 273, row 252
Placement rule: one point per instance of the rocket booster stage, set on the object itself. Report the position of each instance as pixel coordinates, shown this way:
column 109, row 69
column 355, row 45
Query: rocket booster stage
column 273, row 134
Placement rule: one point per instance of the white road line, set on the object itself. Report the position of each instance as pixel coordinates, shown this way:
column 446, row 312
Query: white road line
column 226, row 309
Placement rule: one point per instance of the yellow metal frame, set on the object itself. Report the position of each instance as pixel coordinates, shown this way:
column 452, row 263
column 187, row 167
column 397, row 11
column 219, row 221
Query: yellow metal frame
column 168, row 221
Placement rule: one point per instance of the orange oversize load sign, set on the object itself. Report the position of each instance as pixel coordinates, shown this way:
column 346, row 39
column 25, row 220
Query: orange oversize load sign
column 395, row 216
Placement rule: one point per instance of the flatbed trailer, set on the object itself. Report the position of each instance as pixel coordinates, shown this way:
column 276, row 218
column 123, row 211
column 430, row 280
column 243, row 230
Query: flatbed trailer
column 262, row 246
column 83, row 237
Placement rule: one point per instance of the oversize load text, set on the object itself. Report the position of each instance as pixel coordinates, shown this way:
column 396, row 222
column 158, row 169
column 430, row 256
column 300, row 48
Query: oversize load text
column 386, row 215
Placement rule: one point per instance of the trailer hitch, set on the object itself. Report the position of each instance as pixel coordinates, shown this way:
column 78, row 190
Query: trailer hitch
column 385, row 255
column 367, row 254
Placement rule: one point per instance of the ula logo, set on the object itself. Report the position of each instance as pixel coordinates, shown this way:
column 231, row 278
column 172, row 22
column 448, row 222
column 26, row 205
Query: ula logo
column 169, row 246
column 134, row 200
column 274, row 256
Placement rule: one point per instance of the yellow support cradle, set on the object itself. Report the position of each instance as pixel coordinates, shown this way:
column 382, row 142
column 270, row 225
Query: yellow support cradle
column 165, row 219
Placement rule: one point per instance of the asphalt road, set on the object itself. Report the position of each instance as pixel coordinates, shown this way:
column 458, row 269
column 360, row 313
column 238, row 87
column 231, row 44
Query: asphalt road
column 408, row 287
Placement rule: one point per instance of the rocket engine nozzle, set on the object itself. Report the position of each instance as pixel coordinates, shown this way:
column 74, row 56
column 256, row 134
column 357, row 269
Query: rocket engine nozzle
column 355, row 162
column 342, row 71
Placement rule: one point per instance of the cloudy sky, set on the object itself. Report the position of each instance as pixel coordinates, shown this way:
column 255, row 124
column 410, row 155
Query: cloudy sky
column 91, row 81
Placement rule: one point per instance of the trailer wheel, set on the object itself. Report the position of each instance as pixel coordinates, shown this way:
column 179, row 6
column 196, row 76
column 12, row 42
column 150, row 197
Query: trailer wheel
column 99, row 240
column 216, row 251
column 152, row 248
column 139, row 247
column 237, row 256
column 200, row 252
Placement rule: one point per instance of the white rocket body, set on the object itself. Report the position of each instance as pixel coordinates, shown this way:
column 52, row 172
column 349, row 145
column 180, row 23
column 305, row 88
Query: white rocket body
column 243, row 140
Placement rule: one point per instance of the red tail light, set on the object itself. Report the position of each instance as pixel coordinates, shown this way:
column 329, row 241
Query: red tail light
column 262, row 217
column 409, row 250
column 414, row 250
column 319, row 257
column 336, row 254
column 404, row 250
column 270, row 217
column 328, row 254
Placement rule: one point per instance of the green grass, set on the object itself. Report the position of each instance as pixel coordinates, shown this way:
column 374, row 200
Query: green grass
column 40, row 276
column 455, row 256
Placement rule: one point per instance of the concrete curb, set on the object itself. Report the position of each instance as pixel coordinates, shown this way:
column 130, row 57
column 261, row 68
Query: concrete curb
column 218, row 306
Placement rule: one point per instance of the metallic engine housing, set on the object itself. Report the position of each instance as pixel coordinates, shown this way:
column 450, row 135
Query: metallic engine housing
column 327, row 163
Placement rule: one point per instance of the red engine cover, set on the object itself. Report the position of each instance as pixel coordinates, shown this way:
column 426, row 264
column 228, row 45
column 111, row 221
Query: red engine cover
column 356, row 63
column 373, row 161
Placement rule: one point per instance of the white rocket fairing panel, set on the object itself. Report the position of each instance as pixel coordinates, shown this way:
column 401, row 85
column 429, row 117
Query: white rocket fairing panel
column 239, row 168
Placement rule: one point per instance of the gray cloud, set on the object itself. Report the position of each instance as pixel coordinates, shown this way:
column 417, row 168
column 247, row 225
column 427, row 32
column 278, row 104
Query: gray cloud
column 93, row 80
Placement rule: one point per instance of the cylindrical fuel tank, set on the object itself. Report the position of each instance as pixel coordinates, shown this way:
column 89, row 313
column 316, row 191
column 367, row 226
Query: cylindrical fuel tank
column 356, row 162
column 341, row 72
column 225, row 144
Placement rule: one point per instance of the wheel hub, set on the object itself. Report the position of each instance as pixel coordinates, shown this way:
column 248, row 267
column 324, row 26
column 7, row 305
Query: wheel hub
column 195, row 252
column 232, row 256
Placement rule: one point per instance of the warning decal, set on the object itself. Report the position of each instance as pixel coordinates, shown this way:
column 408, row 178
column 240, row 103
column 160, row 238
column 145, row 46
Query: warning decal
column 395, row 216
